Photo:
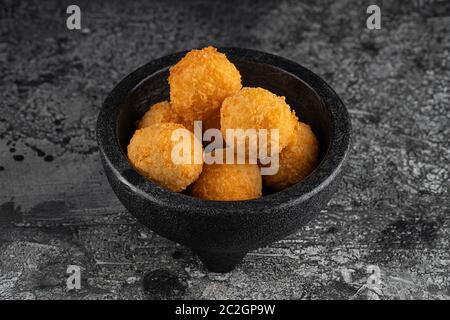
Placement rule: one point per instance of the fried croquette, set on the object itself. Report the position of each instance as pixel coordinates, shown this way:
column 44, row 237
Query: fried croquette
column 200, row 81
column 257, row 108
column 297, row 160
column 162, row 112
column 228, row 182
column 150, row 151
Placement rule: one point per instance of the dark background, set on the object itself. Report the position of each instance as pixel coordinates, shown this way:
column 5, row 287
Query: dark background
column 392, row 210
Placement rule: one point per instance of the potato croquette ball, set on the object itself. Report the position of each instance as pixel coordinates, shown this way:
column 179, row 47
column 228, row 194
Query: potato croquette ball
column 200, row 81
column 257, row 108
column 160, row 112
column 297, row 160
column 228, row 182
column 150, row 152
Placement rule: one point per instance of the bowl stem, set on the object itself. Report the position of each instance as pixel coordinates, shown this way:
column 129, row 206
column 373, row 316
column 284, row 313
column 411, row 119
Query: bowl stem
column 220, row 262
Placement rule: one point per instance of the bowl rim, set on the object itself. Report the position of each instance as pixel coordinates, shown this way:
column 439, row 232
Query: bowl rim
column 318, row 180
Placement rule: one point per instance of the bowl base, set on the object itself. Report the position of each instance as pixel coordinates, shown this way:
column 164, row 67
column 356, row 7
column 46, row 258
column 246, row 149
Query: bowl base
column 220, row 262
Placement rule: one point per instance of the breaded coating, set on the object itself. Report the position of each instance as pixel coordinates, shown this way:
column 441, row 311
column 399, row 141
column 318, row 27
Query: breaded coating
column 297, row 160
column 257, row 108
column 228, row 182
column 200, row 81
column 150, row 152
column 162, row 112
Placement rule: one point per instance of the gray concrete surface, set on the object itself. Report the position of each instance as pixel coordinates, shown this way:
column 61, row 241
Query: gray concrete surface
column 392, row 211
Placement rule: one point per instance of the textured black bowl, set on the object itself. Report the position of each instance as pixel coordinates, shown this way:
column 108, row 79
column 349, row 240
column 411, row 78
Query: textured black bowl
column 221, row 233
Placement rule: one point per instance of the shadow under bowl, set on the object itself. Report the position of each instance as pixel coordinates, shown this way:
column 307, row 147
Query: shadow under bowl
column 221, row 233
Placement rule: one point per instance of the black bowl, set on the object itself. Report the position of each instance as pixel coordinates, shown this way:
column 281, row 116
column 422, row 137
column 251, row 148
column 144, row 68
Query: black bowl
column 221, row 233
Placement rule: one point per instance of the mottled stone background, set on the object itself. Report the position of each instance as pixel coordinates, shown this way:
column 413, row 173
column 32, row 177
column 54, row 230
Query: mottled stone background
column 392, row 210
